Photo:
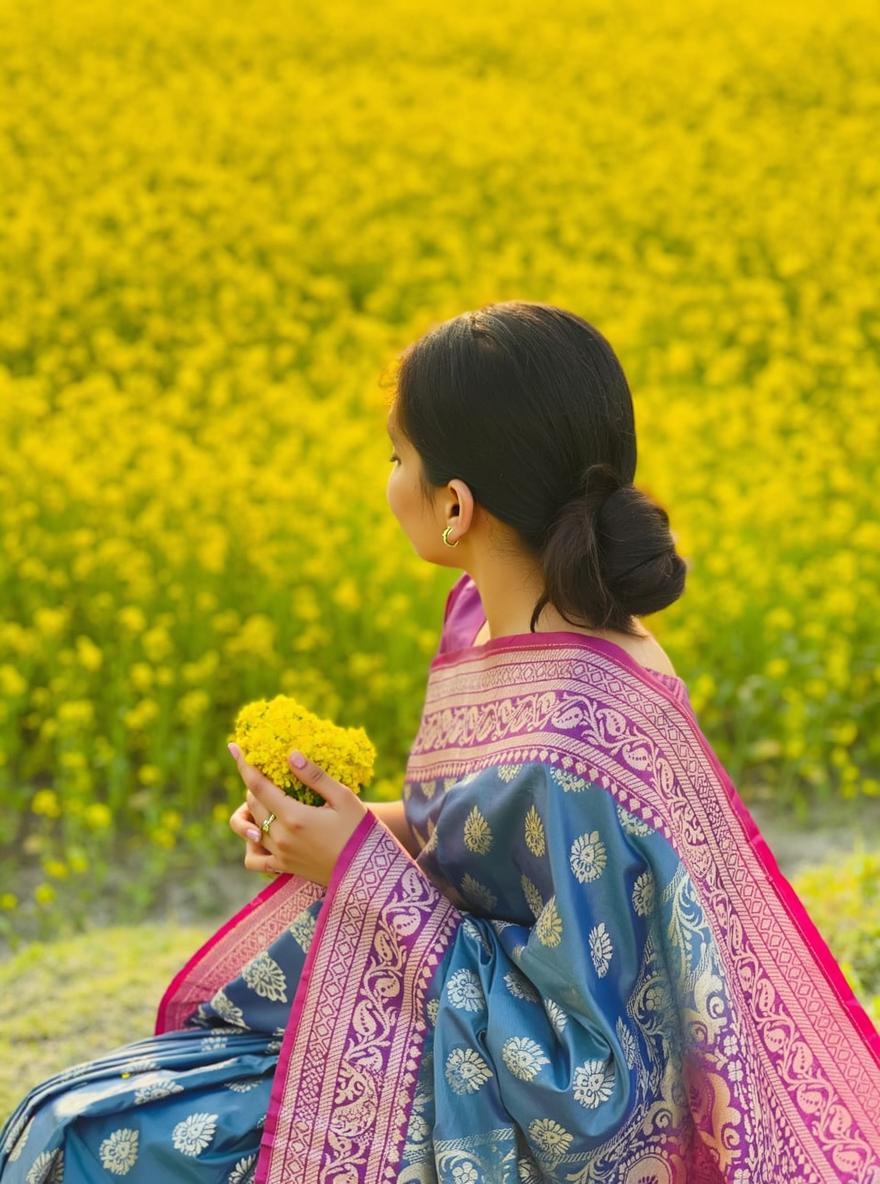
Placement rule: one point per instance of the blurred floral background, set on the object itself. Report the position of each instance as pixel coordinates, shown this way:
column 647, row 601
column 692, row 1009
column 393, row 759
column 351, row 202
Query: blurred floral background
column 221, row 223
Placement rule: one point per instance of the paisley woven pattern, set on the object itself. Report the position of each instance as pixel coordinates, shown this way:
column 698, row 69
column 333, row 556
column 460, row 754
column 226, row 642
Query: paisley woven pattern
column 227, row 951
column 346, row 1079
column 594, row 971
column 588, row 715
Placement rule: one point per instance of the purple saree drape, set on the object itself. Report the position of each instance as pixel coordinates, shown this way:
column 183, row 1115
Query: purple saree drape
column 593, row 972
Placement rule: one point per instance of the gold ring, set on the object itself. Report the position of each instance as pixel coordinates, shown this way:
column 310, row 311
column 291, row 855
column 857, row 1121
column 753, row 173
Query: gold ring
column 267, row 822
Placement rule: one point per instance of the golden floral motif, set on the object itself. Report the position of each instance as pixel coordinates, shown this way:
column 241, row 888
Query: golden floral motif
column 601, row 948
column 534, row 899
column 536, row 840
column 548, row 927
column 473, row 889
column 508, row 772
column 523, row 1056
column 551, row 1139
column 466, row 1071
column 477, row 832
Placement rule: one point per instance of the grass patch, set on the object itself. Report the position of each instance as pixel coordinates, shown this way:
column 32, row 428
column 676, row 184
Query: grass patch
column 66, row 1001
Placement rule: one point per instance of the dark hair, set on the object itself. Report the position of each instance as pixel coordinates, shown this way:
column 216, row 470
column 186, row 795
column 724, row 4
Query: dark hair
column 528, row 404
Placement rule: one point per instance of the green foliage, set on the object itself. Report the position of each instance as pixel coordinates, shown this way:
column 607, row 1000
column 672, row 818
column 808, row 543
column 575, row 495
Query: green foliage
column 198, row 311
column 842, row 897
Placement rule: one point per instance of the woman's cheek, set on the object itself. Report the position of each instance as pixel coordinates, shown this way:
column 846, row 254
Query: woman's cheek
column 389, row 493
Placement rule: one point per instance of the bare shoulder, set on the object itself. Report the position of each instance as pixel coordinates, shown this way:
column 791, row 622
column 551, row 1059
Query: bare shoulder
column 646, row 649
column 651, row 653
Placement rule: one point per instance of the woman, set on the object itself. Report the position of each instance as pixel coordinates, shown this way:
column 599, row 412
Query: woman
column 569, row 955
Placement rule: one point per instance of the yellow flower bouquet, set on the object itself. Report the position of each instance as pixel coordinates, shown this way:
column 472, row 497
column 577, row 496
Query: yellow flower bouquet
column 266, row 731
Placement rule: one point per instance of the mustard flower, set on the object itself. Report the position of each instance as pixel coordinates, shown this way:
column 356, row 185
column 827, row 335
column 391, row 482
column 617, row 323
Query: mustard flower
column 266, row 731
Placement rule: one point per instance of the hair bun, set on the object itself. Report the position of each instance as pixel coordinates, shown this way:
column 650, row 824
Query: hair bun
column 640, row 566
column 610, row 554
column 600, row 481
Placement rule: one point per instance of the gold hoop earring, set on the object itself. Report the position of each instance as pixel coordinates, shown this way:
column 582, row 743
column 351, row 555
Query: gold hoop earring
column 446, row 539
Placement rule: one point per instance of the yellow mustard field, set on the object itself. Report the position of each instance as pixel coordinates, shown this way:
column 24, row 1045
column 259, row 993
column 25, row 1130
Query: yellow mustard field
column 220, row 224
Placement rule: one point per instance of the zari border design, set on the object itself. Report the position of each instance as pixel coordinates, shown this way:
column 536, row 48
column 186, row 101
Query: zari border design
column 347, row 1072
column 242, row 937
column 601, row 716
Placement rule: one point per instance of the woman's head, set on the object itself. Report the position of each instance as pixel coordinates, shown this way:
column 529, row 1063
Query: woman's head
column 521, row 410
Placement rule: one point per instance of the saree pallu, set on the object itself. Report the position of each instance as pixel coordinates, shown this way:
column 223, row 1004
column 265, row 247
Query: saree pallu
column 594, row 971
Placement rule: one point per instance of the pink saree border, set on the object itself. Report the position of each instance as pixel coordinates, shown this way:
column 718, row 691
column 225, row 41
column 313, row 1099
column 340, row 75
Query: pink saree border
column 380, row 916
column 796, row 909
column 794, row 906
column 585, row 716
column 560, row 637
column 347, row 1072
column 223, row 955
column 268, row 1141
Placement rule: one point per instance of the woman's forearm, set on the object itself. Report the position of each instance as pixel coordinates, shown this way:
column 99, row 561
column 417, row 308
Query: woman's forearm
column 392, row 814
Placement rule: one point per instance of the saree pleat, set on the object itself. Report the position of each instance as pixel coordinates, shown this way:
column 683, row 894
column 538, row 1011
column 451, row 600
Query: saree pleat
column 593, row 972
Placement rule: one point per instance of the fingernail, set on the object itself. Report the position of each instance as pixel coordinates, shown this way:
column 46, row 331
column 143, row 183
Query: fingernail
column 252, row 834
column 297, row 758
column 233, row 748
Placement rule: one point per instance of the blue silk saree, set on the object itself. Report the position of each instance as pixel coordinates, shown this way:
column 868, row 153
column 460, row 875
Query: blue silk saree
column 594, row 972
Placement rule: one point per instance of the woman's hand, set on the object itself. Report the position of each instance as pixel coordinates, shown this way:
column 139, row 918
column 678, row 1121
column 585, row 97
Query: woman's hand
column 242, row 822
column 302, row 840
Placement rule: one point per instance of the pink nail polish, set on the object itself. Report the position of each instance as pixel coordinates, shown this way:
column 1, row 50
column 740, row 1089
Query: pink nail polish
column 252, row 834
